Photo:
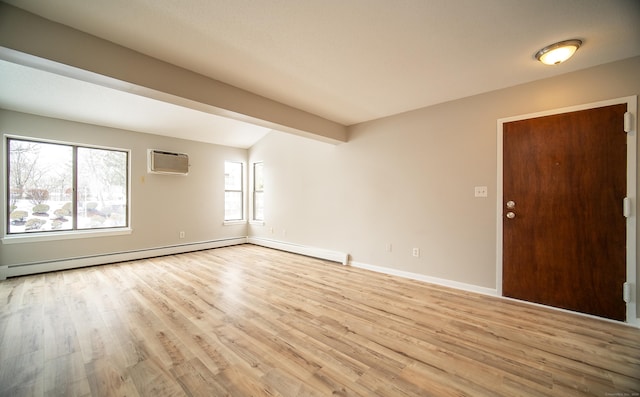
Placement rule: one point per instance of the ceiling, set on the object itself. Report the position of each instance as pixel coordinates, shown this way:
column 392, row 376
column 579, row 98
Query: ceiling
column 30, row 90
column 348, row 61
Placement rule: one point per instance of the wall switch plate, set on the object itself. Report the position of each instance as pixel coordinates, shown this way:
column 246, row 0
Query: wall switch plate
column 481, row 191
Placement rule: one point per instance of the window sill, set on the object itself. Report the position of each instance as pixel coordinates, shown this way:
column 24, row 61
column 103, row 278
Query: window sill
column 257, row 223
column 231, row 223
column 69, row 235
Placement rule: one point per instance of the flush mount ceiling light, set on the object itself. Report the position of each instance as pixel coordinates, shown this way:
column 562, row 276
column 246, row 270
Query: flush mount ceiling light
column 559, row 52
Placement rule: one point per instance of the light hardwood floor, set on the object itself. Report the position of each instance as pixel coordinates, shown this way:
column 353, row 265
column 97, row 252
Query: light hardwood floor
column 250, row 321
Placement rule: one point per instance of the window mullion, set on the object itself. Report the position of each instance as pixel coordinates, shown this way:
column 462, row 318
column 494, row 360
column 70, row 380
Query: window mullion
column 8, row 208
column 74, row 196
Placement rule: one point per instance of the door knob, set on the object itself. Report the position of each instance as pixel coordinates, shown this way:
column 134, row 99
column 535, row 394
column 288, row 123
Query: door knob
column 511, row 204
column 511, row 214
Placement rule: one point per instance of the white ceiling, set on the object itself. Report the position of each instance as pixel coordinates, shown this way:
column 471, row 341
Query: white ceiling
column 347, row 60
column 31, row 90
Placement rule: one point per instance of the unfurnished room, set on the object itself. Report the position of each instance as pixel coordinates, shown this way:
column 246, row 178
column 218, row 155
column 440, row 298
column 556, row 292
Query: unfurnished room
column 319, row 198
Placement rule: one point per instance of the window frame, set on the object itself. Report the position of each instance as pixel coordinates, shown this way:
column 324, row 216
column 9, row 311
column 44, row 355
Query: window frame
column 254, row 190
column 242, row 191
column 75, row 232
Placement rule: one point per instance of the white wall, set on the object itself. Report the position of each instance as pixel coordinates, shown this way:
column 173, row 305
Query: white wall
column 162, row 205
column 408, row 180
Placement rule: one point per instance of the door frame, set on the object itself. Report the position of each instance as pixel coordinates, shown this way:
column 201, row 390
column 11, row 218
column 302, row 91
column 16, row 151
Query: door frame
column 632, row 103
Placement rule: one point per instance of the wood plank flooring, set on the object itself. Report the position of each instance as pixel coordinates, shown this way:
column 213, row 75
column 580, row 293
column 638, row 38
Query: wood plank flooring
column 250, row 321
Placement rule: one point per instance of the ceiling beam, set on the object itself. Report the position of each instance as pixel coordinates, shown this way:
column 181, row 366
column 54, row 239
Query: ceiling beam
column 64, row 50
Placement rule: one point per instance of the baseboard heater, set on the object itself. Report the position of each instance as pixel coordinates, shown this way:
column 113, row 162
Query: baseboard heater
column 334, row 256
column 24, row 269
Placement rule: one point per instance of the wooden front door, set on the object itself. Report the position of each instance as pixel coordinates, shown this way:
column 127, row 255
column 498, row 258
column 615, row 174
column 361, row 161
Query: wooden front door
column 564, row 232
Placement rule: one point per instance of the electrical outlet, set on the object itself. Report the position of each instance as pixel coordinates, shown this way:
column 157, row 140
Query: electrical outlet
column 389, row 247
column 181, row 234
column 416, row 252
column 481, row 191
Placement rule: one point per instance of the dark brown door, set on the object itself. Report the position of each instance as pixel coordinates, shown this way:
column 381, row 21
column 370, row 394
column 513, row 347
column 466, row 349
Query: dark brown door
column 564, row 232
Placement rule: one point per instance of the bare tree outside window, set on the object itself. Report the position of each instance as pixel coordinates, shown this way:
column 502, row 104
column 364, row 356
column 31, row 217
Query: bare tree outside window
column 23, row 158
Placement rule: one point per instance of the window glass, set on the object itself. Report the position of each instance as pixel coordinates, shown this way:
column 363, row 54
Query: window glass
column 258, row 175
column 258, row 191
column 42, row 178
column 102, row 188
column 233, row 195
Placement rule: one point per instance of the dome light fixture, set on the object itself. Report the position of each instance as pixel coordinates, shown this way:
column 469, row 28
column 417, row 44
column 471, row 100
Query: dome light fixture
column 559, row 52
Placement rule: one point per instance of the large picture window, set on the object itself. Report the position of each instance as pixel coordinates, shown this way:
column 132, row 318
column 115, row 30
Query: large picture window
column 58, row 187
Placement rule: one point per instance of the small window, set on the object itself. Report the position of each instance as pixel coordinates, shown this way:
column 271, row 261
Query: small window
column 258, row 192
column 233, row 191
column 65, row 187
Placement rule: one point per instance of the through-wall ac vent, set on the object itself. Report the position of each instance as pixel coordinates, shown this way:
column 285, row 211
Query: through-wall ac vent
column 161, row 162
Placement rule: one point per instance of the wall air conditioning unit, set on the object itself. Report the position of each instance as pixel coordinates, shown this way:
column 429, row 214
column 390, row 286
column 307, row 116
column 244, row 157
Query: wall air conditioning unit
column 161, row 162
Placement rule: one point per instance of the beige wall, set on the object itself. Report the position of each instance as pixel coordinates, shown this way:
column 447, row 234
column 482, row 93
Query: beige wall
column 162, row 205
column 408, row 180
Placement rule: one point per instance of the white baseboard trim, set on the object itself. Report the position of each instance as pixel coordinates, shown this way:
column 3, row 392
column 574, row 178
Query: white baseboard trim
column 427, row 279
column 474, row 288
column 314, row 252
column 102, row 259
column 633, row 322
